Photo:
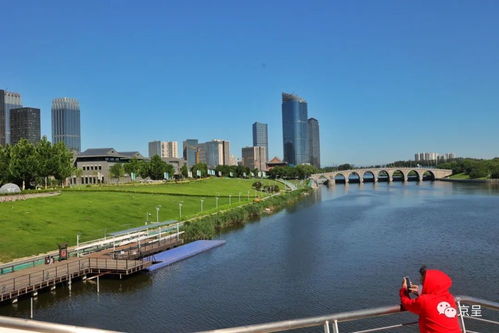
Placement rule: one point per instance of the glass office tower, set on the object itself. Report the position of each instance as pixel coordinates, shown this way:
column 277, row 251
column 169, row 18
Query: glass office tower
column 295, row 129
column 261, row 137
column 8, row 101
column 191, row 153
column 66, row 122
column 24, row 124
column 314, row 142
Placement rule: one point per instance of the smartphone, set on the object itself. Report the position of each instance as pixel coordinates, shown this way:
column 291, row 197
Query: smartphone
column 408, row 282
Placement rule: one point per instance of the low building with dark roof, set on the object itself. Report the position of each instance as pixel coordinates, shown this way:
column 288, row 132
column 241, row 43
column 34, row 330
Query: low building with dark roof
column 95, row 164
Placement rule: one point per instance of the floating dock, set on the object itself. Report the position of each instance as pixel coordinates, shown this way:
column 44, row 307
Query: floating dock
column 180, row 253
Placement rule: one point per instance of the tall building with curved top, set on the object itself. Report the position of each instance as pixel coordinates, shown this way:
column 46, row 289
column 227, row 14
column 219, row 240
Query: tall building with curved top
column 295, row 129
column 66, row 122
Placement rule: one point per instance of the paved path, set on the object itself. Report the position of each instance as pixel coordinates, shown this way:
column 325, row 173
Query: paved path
column 15, row 197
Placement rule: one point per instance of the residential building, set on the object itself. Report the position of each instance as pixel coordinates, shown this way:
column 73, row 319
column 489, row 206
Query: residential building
column 433, row 157
column 163, row 149
column 295, row 129
column 232, row 160
column 314, row 146
column 191, row 151
column 261, row 137
column 255, row 157
column 24, row 123
column 66, row 122
column 95, row 164
column 8, row 100
column 214, row 153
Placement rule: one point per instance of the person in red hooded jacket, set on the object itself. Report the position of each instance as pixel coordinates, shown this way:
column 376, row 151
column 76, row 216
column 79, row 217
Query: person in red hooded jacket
column 437, row 310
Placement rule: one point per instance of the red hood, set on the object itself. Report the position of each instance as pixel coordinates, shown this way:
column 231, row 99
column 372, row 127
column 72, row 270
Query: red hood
column 436, row 282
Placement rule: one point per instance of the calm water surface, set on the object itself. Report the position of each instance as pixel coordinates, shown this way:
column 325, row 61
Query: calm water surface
column 341, row 249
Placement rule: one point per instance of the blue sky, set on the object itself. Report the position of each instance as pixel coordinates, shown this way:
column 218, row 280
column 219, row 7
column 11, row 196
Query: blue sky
column 385, row 79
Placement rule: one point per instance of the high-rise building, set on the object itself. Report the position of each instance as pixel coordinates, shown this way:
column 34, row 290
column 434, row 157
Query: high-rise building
column 24, row 123
column 66, row 122
column 314, row 145
column 8, row 100
column 295, row 129
column 191, row 151
column 261, row 137
column 214, row 153
column 255, row 157
column 163, row 149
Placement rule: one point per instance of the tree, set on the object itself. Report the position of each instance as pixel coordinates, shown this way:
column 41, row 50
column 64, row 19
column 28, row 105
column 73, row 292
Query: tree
column 495, row 173
column 133, row 166
column 479, row 171
column 5, row 153
column 201, row 167
column 257, row 185
column 44, row 155
column 144, row 167
column 345, row 166
column 184, row 171
column 23, row 163
column 62, row 162
column 117, row 171
column 304, row 171
column 157, row 167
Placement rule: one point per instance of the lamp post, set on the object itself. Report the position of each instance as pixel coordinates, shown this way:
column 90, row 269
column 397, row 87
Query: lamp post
column 216, row 202
column 248, row 194
column 180, row 210
column 77, row 244
column 157, row 212
column 147, row 217
column 239, row 196
column 202, row 200
column 230, row 199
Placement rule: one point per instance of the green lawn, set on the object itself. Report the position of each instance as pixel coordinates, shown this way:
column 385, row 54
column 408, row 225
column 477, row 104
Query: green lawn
column 36, row 225
column 460, row 176
column 204, row 187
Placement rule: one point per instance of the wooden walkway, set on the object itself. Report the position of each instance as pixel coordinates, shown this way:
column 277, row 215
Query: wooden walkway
column 30, row 280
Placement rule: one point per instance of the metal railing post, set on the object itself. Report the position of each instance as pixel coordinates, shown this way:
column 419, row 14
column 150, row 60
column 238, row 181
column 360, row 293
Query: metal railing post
column 335, row 327
column 461, row 321
column 326, row 326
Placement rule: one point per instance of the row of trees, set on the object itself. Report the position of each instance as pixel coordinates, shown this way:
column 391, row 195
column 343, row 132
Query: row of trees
column 28, row 165
column 474, row 168
column 288, row 172
column 153, row 169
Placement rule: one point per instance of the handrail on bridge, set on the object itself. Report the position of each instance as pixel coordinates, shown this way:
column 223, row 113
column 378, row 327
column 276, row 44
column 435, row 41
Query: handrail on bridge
column 334, row 319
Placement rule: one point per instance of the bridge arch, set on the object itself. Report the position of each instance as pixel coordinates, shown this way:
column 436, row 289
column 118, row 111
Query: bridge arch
column 383, row 176
column 427, row 175
column 368, row 176
column 340, row 178
column 414, row 175
column 356, row 177
column 398, row 175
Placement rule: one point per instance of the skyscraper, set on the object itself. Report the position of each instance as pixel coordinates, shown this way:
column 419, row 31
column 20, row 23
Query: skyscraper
column 261, row 137
column 8, row 100
column 24, row 123
column 163, row 149
column 314, row 146
column 214, row 153
column 295, row 129
column 191, row 153
column 66, row 122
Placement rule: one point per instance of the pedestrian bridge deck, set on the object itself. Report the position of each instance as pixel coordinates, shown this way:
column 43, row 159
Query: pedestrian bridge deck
column 30, row 280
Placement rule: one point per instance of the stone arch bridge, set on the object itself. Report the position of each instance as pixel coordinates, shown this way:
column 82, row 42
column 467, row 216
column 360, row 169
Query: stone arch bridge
column 380, row 174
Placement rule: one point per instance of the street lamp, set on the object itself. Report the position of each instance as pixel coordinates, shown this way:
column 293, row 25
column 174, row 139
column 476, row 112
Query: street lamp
column 239, row 196
column 202, row 200
column 157, row 212
column 217, row 202
column 180, row 210
column 78, row 244
column 147, row 217
column 230, row 199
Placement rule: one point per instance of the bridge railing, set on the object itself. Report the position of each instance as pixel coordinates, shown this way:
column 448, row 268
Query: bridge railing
column 334, row 321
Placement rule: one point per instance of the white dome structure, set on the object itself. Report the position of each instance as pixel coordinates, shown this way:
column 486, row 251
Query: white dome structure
column 10, row 188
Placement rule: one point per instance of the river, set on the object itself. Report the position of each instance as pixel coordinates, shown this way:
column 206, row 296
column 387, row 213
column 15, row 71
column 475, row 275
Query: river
column 342, row 248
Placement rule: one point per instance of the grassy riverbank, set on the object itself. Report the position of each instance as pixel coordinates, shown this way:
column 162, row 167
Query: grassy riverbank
column 35, row 226
column 208, row 226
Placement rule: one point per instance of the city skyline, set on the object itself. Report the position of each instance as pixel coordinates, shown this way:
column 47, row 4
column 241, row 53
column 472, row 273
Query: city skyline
column 362, row 84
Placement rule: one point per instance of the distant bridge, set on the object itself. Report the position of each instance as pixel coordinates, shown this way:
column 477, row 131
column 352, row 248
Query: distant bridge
column 380, row 174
